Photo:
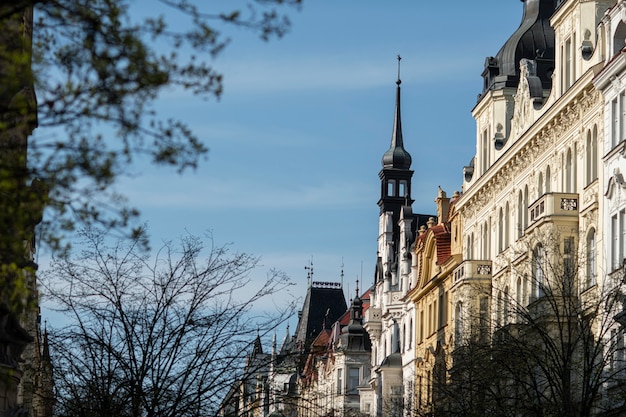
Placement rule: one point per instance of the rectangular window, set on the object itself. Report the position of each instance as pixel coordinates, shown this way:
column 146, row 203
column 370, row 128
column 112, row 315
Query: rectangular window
column 568, row 252
column 614, row 242
column 339, row 381
column 615, row 122
column 483, row 318
column 622, row 237
column 622, row 119
column 353, row 380
column 567, row 70
column 485, row 154
column 421, row 326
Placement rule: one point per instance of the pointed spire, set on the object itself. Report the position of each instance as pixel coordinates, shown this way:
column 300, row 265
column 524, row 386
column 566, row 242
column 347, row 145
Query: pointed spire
column 258, row 347
column 396, row 156
column 45, row 354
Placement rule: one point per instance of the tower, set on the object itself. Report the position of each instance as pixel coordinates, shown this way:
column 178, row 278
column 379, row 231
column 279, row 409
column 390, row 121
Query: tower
column 396, row 174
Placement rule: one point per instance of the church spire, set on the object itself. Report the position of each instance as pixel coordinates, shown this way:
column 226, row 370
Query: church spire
column 396, row 173
column 396, row 156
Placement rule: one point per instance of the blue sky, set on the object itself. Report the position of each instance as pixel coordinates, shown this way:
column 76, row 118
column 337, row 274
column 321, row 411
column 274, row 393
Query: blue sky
column 298, row 135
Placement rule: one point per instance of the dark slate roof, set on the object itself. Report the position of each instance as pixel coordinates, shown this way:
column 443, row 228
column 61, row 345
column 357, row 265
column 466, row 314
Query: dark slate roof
column 534, row 40
column 396, row 156
column 322, row 304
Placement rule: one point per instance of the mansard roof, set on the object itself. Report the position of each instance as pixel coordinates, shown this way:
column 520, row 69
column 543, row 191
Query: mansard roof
column 323, row 305
column 533, row 39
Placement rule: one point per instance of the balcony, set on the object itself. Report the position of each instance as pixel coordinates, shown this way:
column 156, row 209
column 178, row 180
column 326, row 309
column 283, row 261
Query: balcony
column 473, row 270
column 554, row 207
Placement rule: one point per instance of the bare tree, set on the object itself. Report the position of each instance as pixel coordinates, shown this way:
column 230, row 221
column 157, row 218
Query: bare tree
column 154, row 336
column 556, row 350
column 88, row 75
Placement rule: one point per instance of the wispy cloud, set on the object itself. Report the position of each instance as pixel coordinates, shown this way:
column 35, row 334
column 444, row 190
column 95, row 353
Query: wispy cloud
column 238, row 193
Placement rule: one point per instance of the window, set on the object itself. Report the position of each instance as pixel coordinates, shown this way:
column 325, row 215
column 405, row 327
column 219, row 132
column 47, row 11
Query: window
column 483, row 318
column 505, row 306
column 520, row 214
column 519, row 297
column 507, row 217
column 568, row 53
column 500, row 230
column 353, row 380
column 591, row 258
column 615, row 261
column 526, row 204
column 410, row 333
column 485, row 240
column 485, row 154
column 540, row 185
column 391, row 185
column 548, row 187
column 568, row 263
column 618, row 112
column 402, row 192
column 339, row 381
column 622, row 237
column 591, row 154
column 421, row 326
column 499, row 309
column 538, row 271
column 458, row 323
column 569, row 172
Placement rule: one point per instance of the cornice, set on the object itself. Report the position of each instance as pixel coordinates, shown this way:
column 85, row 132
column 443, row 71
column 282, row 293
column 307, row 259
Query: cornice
column 559, row 119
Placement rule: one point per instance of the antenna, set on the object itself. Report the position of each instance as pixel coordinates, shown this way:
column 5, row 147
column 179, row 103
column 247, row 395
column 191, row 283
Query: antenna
column 342, row 272
column 309, row 274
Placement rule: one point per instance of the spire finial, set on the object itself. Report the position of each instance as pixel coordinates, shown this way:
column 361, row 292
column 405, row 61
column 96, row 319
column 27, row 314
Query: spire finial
column 357, row 287
column 399, row 81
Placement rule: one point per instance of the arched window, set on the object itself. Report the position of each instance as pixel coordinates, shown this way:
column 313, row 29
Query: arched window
column 505, row 306
column 519, row 297
column 594, row 153
column 591, row 257
column 507, row 225
column 538, row 271
column 499, row 309
column 520, row 214
column 540, row 185
column 548, row 185
column 500, row 230
column 486, row 241
column 458, row 324
column 526, row 207
column 588, row 159
column 619, row 38
column 569, row 172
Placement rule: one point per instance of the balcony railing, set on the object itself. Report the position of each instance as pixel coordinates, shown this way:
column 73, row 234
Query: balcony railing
column 473, row 270
column 554, row 204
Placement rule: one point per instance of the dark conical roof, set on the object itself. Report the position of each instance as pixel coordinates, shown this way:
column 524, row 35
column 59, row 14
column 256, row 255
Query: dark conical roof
column 533, row 39
column 396, row 156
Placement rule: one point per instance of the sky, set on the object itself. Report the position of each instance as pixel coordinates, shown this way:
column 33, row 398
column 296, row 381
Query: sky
column 297, row 138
